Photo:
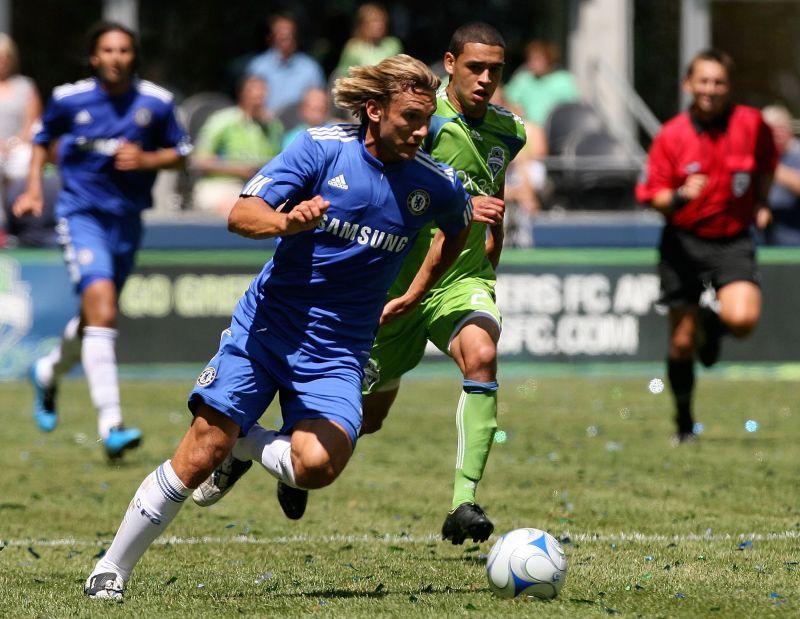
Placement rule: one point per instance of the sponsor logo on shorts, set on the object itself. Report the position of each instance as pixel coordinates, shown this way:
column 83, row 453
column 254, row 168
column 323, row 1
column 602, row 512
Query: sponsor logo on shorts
column 207, row 376
column 418, row 201
column 82, row 118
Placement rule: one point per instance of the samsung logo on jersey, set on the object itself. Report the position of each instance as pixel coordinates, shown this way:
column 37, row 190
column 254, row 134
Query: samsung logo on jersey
column 363, row 235
column 108, row 147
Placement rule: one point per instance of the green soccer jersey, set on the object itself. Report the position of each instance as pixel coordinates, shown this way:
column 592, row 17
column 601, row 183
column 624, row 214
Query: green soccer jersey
column 479, row 151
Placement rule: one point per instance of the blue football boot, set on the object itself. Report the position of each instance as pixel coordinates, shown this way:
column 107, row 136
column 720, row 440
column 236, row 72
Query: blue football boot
column 44, row 404
column 121, row 439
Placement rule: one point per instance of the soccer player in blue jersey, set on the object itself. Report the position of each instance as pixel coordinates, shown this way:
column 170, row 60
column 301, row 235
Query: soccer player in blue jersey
column 114, row 132
column 347, row 203
column 459, row 315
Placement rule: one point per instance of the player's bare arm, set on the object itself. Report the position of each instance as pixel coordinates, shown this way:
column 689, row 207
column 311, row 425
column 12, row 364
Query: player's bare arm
column 496, row 231
column 667, row 200
column 763, row 211
column 441, row 255
column 255, row 219
column 31, row 202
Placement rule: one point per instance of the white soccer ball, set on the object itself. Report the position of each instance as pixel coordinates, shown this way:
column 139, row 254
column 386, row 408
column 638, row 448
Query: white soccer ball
column 526, row 562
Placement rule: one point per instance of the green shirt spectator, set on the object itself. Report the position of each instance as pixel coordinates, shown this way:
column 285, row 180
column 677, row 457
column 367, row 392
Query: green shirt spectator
column 539, row 86
column 369, row 43
column 233, row 144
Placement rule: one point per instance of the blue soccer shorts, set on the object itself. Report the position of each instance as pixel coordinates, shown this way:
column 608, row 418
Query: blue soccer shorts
column 251, row 367
column 99, row 246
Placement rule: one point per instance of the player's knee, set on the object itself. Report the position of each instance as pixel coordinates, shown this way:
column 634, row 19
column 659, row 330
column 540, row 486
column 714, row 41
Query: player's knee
column 742, row 326
column 481, row 361
column 681, row 347
column 101, row 315
column 316, row 469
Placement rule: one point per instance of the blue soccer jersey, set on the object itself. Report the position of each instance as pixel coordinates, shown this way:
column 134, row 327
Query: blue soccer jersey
column 323, row 291
column 89, row 125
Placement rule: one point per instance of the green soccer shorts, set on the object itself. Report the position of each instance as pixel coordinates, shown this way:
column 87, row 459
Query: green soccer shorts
column 400, row 345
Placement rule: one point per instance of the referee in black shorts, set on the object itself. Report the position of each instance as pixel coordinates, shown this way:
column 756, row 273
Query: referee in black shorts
column 708, row 172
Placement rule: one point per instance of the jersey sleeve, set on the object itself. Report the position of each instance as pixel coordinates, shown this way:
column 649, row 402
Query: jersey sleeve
column 175, row 134
column 290, row 175
column 658, row 171
column 55, row 122
column 456, row 211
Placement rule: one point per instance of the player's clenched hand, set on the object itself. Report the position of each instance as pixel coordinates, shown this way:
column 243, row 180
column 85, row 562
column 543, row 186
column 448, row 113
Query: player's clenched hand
column 763, row 217
column 306, row 215
column 28, row 203
column 488, row 210
column 128, row 157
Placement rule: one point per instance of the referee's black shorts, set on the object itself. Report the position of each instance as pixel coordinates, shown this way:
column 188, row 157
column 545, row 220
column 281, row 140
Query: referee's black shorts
column 689, row 263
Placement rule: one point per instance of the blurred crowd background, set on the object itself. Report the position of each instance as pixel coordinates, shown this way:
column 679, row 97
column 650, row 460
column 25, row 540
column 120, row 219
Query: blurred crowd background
column 592, row 79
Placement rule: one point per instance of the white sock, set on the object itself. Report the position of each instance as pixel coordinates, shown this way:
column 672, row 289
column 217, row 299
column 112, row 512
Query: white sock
column 153, row 507
column 99, row 360
column 60, row 360
column 272, row 450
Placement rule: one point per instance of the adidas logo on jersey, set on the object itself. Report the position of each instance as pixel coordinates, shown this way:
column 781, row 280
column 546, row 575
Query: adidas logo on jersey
column 83, row 117
column 338, row 182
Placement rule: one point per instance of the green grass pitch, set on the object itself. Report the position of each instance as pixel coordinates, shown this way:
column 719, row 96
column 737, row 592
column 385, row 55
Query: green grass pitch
column 650, row 529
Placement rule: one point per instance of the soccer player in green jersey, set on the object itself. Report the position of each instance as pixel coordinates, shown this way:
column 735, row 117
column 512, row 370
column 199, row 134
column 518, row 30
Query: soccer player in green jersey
column 459, row 315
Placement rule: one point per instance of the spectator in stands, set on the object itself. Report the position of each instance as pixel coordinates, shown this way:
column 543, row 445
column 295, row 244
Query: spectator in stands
column 287, row 71
column 539, row 85
column 370, row 42
column 315, row 110
column 708, row 173
column 232, row 146
column 784, row 196
column 20, row 107
column 526, row 180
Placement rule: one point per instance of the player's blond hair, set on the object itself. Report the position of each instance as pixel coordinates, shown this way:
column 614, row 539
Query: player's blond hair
column 381, row 82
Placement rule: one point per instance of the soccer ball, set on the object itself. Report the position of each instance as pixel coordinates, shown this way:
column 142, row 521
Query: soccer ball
column 526, row 562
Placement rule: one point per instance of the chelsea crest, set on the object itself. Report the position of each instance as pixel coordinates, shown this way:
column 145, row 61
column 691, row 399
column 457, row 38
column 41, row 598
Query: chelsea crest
column 418, row 201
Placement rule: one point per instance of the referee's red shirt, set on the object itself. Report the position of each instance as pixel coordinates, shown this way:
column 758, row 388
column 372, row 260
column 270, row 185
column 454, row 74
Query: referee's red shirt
column 733, row 154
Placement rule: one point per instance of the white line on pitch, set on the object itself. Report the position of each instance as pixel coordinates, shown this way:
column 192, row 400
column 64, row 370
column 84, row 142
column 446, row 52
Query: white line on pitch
column 399, row 539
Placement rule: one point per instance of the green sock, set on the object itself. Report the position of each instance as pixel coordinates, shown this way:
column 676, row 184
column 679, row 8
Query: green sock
column 476, row 423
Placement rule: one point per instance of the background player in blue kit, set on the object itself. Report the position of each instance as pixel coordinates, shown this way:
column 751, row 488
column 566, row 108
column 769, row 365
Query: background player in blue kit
column 114, row 132
column 347, row 202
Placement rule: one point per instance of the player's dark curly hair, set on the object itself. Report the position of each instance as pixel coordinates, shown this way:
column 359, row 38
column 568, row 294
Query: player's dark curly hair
column 474, row 32
column 100, row 28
